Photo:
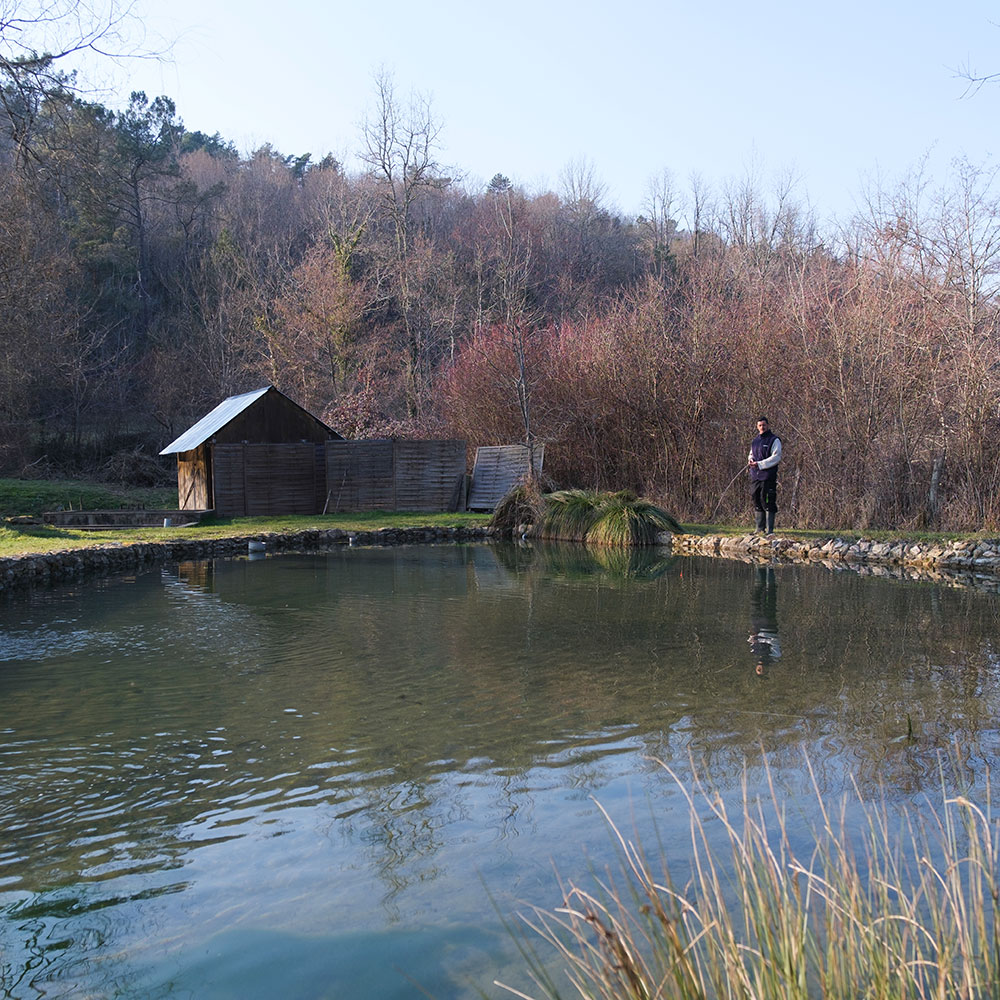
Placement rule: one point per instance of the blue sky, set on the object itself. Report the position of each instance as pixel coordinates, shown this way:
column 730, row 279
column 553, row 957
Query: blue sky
column 837, row 95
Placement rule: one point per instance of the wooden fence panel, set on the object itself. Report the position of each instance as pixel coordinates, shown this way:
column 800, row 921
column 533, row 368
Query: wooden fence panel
column 429, row 475
column 395, row 475
column 228, row 483
column 497, row 470
column 260, row 480
column 280, row 479
column 359, row 476
column 271, row 479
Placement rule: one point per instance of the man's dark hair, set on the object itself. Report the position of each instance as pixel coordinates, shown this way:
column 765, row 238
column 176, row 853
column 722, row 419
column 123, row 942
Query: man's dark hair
column 763, row 420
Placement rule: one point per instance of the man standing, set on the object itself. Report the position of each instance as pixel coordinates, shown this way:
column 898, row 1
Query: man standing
column 765, row 454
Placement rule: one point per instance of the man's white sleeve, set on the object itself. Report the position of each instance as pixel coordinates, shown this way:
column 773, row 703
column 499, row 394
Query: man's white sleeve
column 774, row 458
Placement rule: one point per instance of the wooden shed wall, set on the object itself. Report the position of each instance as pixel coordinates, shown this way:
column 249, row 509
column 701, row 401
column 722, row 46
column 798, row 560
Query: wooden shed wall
column 256, row 480
column 395, row 475
column 273, row 419
column 193, row 478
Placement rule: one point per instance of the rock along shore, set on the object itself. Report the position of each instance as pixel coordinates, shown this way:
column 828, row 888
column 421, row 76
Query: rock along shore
column 63, row 565
column 964, row 561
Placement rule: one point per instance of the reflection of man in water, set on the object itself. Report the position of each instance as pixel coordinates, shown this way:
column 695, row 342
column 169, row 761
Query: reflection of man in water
column 764, row 643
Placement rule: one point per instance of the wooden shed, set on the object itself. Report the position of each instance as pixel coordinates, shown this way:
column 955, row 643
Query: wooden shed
column 257, row 453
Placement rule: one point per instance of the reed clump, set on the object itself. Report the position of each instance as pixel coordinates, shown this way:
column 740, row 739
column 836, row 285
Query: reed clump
column 568, row 515
column 612, row 519
column 521, row 505
column 906, row 910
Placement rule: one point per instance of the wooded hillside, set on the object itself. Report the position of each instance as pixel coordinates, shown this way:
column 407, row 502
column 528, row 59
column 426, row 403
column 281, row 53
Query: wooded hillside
column 149, row 271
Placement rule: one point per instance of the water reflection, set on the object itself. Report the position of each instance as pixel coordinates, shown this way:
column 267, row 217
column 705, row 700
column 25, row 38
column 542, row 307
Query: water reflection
column 765, row 644
column 333, row 747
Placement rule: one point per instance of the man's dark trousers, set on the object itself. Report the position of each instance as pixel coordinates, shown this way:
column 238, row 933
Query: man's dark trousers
column 765, row 502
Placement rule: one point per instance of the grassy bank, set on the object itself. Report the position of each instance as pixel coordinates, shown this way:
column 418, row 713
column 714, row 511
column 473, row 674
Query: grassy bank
column 19, row 497
column 33, row 497
column 18, row 540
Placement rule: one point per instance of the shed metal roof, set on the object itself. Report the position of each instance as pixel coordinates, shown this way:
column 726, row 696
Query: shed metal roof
column 214, row 421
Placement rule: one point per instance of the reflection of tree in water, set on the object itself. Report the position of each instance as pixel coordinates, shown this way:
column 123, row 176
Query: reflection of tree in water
column 402, row 833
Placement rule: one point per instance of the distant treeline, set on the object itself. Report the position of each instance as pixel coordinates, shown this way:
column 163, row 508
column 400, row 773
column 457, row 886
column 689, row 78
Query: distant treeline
column 146, row 272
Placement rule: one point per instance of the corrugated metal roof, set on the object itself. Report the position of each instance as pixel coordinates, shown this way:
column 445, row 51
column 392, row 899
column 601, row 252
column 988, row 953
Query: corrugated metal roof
column 214, row 421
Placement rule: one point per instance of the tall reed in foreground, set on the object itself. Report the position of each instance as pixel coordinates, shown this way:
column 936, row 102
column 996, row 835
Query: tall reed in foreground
column 909, row 910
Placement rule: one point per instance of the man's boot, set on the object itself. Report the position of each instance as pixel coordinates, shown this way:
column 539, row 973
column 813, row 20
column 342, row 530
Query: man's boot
column 760, row 522
column 770, row 522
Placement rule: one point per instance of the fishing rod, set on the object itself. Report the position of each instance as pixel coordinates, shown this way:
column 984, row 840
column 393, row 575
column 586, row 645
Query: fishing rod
column 726, row 490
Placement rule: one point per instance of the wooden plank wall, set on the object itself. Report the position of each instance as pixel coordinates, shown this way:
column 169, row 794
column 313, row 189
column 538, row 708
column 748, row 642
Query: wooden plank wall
column 192, row 479
column 395, row 475
column 359, row 475
column 228, row 486
column 267, row 479
column 429, row 475
column 497, row 470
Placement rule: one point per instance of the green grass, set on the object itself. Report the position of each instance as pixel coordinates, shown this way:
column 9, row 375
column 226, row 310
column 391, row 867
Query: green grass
column 569, row 514
column 623, row 520
column 907, row 906
column 35, row 496
column 18, row 540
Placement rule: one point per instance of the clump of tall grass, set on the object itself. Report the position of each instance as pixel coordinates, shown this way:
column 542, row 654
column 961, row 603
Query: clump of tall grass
column 616, row 519
column 520, row 505
column 569, row 514
column 625, row 519
column 909, row 909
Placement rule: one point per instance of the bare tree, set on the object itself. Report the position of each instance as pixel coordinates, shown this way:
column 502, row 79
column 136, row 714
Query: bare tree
column 400, row 143
column 658, row 220
column 38, row 40
column 512, row 268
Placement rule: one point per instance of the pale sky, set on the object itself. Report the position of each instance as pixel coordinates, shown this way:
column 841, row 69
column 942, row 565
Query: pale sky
column 837, row 94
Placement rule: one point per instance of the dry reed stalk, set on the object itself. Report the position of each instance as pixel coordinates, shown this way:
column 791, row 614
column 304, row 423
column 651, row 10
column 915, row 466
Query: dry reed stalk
column 908, row 911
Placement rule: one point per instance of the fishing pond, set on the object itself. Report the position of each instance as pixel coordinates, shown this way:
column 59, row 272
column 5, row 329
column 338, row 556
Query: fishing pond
column 344, row 773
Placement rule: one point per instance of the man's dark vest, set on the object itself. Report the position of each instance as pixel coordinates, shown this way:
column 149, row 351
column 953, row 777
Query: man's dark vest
column 760, row 448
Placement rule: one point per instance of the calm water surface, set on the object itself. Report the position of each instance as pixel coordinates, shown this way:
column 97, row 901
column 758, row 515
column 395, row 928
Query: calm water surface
column 306, row 776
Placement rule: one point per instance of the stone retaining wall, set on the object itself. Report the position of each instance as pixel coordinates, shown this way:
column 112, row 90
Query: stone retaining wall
column 965, row 561
column 120, row 557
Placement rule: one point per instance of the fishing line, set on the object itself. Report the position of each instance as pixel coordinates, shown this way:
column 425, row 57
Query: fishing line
column 726, row 490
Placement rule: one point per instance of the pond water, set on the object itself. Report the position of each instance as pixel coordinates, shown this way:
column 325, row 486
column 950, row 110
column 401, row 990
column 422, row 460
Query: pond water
column 331, row 775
